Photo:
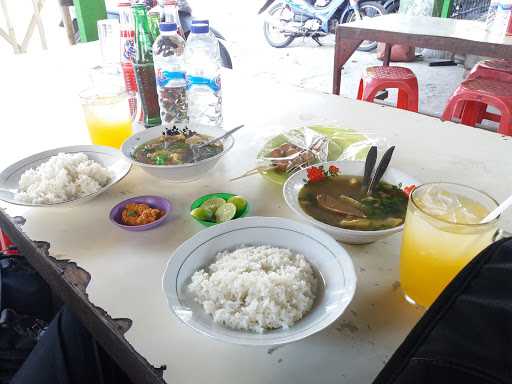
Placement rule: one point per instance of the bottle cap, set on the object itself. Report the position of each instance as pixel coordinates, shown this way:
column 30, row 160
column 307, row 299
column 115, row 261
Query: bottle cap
column 168, row 27
column 201, row 21
column 200, row 28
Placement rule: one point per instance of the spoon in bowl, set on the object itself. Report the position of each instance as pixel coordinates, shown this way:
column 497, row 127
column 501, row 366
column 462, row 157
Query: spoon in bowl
column 379, row 172
column 197, row 147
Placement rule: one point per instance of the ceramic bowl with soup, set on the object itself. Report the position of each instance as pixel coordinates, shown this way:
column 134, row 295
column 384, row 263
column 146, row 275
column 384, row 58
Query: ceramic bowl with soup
column 339, row 205
column 175, row 157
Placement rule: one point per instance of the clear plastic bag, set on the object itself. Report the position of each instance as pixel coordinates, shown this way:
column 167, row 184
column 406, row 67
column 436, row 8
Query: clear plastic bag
column 301, row 147
column 294, row 149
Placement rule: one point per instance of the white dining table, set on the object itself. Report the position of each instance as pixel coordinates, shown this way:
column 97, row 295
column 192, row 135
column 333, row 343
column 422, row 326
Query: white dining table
column 41, row 110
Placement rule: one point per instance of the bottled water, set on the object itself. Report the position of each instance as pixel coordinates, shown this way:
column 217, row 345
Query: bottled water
column 171, row 82
column 211, row 35
column 203, row 78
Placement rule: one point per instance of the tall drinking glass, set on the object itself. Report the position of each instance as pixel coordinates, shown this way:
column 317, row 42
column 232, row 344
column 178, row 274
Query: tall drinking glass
column 107, row 115
column 442, row 233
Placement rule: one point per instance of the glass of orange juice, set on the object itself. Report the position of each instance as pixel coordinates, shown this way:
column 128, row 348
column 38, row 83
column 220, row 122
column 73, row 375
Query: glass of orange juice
column 442, row 233
column 107, row 115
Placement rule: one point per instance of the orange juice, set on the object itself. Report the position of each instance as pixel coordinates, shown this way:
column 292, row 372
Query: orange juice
column 442, row 234
column 108, row 117
column 108, row 132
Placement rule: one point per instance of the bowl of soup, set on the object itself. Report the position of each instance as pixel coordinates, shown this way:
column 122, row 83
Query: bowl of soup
column 176, row 156
column 340, row 206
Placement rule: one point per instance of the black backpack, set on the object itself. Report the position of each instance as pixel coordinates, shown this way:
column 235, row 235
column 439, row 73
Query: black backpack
column 25, row 309
column 466, row 335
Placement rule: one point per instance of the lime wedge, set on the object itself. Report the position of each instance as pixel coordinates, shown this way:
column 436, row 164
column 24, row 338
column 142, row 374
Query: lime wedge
column 225, row 212
column 240, row 203
column 202, row 213
column 213, row 203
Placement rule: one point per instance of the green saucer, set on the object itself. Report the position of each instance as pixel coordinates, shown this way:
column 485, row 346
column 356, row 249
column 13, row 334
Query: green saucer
column 225, row 196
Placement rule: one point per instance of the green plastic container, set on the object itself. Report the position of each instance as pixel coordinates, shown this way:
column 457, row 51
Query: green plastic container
column 197, row 203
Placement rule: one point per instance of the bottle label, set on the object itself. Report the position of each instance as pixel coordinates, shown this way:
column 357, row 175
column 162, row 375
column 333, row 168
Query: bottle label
column 129, row 50
column 165, row 77
column 213, row 84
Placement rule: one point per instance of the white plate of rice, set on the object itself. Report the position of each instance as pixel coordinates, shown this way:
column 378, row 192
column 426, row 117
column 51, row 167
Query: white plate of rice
column 259, row 281
column 62, row 176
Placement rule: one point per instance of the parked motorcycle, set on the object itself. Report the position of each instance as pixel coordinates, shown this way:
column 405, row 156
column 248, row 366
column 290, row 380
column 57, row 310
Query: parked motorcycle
column 287, row 19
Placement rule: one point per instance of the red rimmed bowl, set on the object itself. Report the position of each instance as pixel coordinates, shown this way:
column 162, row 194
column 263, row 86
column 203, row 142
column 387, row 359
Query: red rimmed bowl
column 153, row 201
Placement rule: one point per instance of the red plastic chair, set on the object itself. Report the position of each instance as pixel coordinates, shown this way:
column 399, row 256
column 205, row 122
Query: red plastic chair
column 495, row 69
column 375, row 79
column 475, row 95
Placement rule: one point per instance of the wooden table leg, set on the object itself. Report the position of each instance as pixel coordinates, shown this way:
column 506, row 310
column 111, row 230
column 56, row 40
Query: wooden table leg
column 387, row 55
column 344, row 48
column 37, row 5
column 68, row 24
column 10, row 36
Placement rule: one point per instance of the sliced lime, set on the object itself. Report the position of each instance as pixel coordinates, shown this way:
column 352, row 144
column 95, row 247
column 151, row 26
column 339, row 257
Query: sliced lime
column 240, row 203
column 225, row 212
column 213, row 203
column 202, row 213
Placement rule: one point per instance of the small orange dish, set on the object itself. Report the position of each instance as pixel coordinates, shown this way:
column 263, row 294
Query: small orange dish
column 139, row 214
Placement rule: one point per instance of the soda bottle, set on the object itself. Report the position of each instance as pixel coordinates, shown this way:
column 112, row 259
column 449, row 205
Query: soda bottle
column 143, row 66
column 203, row 78
column 127, row 34
column 168, row 52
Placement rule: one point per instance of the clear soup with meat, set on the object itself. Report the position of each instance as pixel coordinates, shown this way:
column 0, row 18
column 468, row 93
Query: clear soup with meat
column 341, row 201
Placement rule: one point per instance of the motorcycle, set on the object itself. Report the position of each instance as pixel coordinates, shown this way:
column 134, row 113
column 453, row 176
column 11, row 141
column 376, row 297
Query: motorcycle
column 288, row 19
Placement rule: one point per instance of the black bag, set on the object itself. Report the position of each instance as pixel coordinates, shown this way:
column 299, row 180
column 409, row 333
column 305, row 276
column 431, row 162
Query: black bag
column 25, row 309
column 466, row 335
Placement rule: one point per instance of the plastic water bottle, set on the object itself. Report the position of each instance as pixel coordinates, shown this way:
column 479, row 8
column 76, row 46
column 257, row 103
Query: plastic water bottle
column 203, row 78
column 212, row 36
column 171, row 82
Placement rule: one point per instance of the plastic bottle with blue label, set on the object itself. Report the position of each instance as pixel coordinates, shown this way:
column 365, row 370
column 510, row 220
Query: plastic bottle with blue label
column 203, row 78
column 168, row 57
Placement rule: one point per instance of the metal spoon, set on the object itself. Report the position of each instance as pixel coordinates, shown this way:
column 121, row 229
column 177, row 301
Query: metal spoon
column 228, row 133
column 381, row 169
column 369, row 164
column 196, row 148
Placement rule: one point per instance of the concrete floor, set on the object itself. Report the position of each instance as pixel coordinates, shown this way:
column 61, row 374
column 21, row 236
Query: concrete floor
column 307, row 65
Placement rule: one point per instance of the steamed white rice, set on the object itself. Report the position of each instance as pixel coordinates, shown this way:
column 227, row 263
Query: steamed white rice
column 66, row 176
column 256, row 288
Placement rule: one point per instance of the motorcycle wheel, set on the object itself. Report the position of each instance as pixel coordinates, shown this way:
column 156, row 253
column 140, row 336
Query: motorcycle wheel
column 275, row 38
column 367, row 9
